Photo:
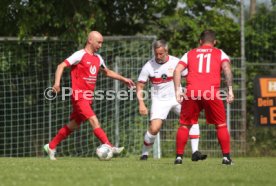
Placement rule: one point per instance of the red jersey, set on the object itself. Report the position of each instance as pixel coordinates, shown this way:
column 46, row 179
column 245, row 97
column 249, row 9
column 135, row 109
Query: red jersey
column 84, row 71
column 204, row 69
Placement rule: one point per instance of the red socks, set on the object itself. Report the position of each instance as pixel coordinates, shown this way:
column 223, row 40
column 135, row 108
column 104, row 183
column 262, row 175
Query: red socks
column 61, row 135
column 181, row 139
column 223, row 138
column 64, row 132
column 100, row 134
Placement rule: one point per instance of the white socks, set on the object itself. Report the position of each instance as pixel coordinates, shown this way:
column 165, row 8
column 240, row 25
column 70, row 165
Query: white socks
column 194, row 137
column 149, row 141
column 194, row 144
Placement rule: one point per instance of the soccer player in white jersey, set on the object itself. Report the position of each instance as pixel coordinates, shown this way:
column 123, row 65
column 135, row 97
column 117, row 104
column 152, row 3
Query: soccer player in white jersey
column 85, row 65
column 159, row 70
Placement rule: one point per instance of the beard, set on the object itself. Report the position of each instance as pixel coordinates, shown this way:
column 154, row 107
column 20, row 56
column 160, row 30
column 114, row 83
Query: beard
column 160, row 61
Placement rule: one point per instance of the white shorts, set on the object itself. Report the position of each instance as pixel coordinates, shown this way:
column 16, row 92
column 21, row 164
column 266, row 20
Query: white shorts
column 161, row 108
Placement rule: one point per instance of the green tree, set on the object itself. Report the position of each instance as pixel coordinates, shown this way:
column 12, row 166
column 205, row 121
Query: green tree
column 73, row 19
column 129, row 17
column 180, row 22
column 260, row 49
column 260, row 34
column 183, row 27
column 8, row 18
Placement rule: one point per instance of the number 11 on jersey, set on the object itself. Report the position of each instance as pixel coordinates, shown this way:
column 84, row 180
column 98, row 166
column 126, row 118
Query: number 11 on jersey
column 200, row 63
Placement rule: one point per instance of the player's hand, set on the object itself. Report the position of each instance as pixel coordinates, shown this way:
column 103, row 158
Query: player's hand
column 56, row 88
column 143, row 110
column 179, row 96
column 230, row 97
column 129, row 83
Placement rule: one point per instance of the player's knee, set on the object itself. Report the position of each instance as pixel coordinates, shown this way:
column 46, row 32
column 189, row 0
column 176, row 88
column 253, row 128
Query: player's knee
column 94, row 122
column 155, row 126
column 153, row 131
column 186, row 126
column 219, row 126
column 72, row 125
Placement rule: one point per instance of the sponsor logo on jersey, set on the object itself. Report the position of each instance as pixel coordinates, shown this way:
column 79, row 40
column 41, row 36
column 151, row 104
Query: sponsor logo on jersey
column 93, row 69
column 164, row 76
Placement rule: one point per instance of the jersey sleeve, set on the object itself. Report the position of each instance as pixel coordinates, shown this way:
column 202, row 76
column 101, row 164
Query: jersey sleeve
column 102, row 63
column 144, row 75
column 74, row 59
column 184, row 73
column 184, row 60
column 224, row 57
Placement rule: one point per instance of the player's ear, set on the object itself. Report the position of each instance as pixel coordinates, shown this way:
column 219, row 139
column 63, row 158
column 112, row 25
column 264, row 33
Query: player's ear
column 215, row 42
column 167, row 51
column 200, row 42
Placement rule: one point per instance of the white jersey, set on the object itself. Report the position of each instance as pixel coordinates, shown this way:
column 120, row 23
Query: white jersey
column 161, row 77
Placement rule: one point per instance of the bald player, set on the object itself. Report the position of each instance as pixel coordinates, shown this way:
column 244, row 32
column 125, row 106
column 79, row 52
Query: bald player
column 85, row 65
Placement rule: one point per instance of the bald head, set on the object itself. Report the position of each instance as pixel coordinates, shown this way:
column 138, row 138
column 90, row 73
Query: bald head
column 93, row 35
column 94, row 41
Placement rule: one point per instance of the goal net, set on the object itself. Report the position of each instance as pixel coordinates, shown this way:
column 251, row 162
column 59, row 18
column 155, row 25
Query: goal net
column 28, row 120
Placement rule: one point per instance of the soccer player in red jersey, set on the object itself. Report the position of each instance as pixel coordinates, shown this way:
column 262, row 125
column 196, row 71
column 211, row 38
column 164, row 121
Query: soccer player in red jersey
column 204, row 65
column 85, row 65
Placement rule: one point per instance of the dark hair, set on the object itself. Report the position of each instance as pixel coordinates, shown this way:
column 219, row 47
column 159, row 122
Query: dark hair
column 208, row 36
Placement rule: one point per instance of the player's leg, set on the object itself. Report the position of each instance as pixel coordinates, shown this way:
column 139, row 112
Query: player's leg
column 83, row 112
column 180, row 132
column 190, row 110
column 159, row 112
column 62, row 134
column 215, row 114
column 98, row 131
column 150, row 137
column 224, row 141
column 194, row 135
column 182, row 136
column 75, row 119
column 101, row 135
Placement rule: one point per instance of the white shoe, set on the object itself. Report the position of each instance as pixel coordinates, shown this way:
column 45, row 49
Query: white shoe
column 117, row 150
column 51, row 152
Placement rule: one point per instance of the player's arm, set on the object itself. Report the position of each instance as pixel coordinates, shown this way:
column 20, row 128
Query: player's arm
column 114, row 75
column 143, row 110
column 58, row 74
column 177, row 79
column 226, row 68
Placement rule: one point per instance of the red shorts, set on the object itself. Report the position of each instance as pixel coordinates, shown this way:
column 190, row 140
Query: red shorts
column 214, row 111
column 81, row 110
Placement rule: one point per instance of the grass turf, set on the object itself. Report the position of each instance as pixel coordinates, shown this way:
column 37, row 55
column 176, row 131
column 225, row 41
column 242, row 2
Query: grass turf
column 131, row 171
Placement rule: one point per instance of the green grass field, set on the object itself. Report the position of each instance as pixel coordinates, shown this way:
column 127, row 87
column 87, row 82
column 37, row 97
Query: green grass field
column 131, row 171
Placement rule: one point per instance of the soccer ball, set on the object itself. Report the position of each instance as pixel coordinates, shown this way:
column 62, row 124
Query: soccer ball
column 104, row 152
